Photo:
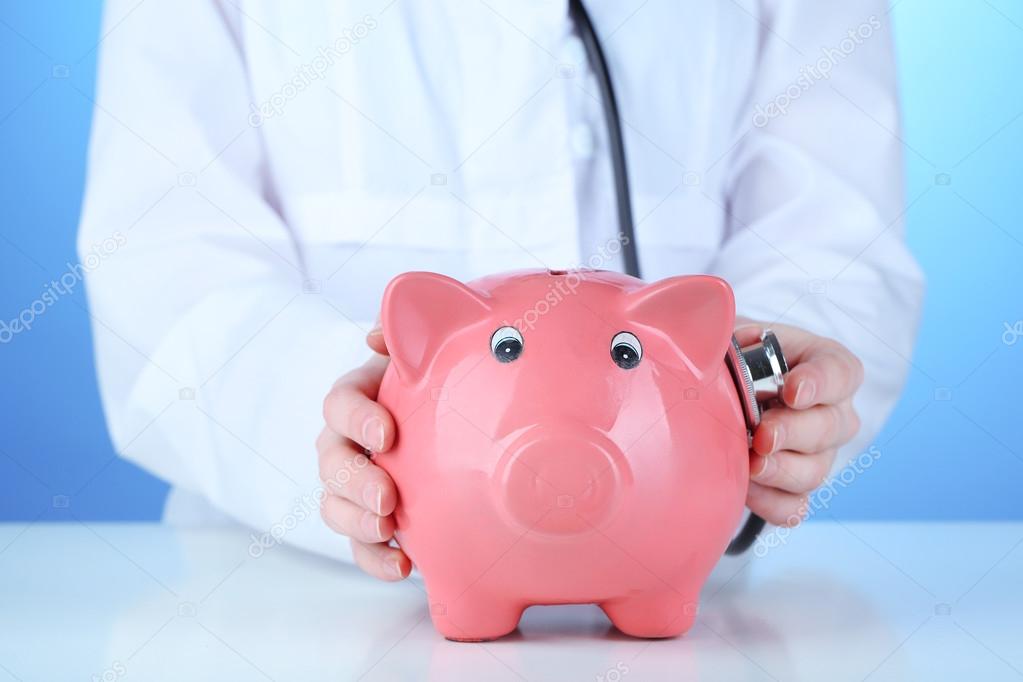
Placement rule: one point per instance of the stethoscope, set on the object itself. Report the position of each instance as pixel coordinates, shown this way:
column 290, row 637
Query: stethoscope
column 758, row 370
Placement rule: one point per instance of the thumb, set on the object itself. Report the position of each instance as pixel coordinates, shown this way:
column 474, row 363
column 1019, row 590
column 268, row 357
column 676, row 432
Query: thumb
column 747, row 331
column 375, row 339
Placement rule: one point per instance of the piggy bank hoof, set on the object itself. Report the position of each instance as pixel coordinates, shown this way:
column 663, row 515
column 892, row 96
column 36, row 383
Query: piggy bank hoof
column 468, row 620
column 474, row 640
column 653, row 616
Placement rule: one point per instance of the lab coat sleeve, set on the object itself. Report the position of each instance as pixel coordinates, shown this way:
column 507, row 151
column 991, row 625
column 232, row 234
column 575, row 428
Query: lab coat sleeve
column 213, row 358
column 815, row 194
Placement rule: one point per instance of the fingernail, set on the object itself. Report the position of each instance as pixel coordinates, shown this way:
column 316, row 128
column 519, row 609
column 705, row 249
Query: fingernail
column 804, row 394
column 373, row 434
column 377, row 329
column 779, row 438
column 394, row 568
column 371, row 526
column 756, row 465
column 764, row 470
column 373, row 496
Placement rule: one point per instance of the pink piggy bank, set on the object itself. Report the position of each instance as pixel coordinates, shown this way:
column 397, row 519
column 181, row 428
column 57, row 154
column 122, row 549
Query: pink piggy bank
column 563, row 438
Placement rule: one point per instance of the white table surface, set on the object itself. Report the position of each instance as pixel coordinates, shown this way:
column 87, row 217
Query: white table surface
column 835, row 601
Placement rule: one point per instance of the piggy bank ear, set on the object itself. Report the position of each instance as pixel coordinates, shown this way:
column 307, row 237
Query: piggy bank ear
column 696, row 313
column 420, row 312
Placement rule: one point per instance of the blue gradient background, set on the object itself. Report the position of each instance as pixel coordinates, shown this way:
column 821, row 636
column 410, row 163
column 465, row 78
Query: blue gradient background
column 951, row 450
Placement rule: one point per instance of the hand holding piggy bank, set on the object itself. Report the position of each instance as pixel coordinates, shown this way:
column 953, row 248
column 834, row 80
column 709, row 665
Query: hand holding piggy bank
column 563, row 437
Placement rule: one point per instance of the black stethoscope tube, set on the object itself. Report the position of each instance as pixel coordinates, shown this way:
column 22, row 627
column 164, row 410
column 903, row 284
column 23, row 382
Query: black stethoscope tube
column 623, row 196
column 595, row 56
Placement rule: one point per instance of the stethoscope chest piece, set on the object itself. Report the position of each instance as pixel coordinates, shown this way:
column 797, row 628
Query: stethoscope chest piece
column 759, row 374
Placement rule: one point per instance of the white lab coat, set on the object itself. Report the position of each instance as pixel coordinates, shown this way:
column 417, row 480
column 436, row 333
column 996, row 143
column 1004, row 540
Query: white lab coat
column 272, row 165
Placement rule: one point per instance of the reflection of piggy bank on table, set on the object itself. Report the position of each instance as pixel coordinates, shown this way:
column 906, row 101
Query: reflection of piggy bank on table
column 563, row 438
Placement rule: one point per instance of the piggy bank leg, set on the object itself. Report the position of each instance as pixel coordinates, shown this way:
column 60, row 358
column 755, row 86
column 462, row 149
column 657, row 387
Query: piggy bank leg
column 473, row 617
column 652, row 614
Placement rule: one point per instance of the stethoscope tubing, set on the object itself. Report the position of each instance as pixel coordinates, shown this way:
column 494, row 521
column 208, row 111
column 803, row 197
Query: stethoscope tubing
column 623, row 197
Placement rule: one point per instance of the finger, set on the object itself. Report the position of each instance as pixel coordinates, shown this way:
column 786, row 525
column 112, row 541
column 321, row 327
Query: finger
column 809, row 430
column 375, row 339
column 793, row 472
column 351, row 410
column 347, row 518
column 825, row 373
column 381, row 560
column 747, row 332
column 776, row 506
column 348, row 473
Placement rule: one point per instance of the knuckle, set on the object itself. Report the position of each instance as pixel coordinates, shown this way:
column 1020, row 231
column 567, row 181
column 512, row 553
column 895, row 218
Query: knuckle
column 804, row 477
column 849, row 362
column 833, row 420
column 783, row 517
column 331, row 516
column 769, row 515
column 325, row 512
column 336, row 470
column 327, row 462
column 846, row 361
column 858, row 370
column 328, row 406
column 797, row 511
column 821, row 469
column 828, row 348
column 362, row 557
column 854, row 423
column 338, row 400
column 321, row 441
column 831, row 345
column 332, row 404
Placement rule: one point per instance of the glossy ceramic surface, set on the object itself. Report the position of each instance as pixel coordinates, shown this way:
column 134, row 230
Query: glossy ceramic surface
column 572, row 473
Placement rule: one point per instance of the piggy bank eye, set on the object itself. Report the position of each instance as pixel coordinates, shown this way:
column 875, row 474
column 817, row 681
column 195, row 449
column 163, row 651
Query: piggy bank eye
column 506, row 344
column 625, row 350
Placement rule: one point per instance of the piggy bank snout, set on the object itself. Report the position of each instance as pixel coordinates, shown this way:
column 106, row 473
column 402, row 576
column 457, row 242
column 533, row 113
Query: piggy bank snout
column 561, row 481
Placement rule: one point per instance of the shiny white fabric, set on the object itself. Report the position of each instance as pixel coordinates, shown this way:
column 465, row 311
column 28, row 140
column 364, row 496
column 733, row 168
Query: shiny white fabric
column 272, row 165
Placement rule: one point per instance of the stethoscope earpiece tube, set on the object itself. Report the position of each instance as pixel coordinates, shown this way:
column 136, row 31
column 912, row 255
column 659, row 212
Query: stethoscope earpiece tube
column 623, row 197
column 757, row 370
